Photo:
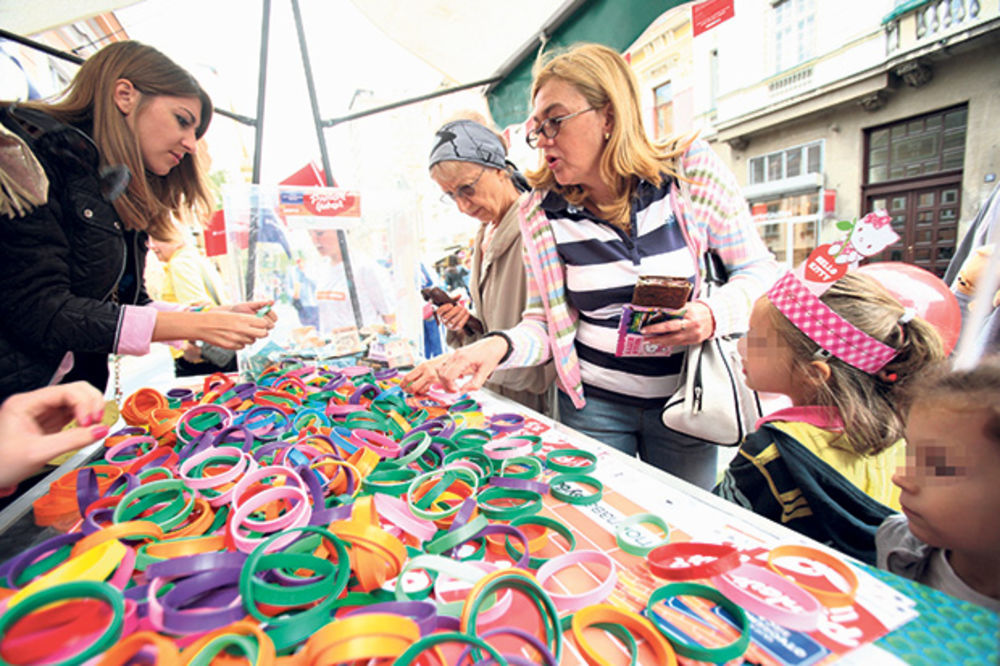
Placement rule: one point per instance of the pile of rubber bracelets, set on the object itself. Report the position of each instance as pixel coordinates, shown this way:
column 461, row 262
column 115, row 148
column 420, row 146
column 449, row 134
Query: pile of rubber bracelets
column 321, row 516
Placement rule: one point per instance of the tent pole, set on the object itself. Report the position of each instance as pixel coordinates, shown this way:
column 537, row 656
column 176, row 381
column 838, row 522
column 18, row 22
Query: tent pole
column 412, row 100
column 38, row 46
column 265, row 25
column 321, row 139
column 253, row 233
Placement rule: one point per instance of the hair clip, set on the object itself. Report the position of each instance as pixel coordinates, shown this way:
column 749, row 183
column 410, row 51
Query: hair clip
column 887, row 377
column 822, row 354
column 907, row 316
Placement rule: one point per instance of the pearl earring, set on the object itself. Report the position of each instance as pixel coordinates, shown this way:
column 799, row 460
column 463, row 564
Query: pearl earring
column 607, row 135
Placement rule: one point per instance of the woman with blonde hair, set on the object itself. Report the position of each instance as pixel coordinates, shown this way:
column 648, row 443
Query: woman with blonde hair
column 118, row 151
column 608, row 206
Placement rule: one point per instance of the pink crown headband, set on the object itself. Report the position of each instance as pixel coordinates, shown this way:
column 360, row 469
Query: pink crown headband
column 834, row 334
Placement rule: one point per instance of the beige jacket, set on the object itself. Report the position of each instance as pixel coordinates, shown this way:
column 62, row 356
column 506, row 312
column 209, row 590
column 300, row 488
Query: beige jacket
column 498, row 287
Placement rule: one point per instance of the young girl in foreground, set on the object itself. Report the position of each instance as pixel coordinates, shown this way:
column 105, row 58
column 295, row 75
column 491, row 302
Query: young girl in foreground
column 947, row 537
column 823, row 467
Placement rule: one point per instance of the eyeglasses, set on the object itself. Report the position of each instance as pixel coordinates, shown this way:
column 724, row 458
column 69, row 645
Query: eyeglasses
column 550, row 127
column 463, row 191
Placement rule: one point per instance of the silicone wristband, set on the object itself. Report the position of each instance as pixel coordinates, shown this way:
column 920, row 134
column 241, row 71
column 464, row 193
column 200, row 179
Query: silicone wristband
column 572, row 495
column 509, row 422
column 829, row 598
column 167, row 518
column 125, row 651
column 603, row 614
column 424, row 613
column 434, row 515
column 501, row 449
column 297, row 517
column 786, row 603
column 549, row 523
column 301, row 622
column 572, row 602
column 378, row 443
column 74, row 590
column 397, row 512
column 575, row 454
column 241, row 463
column 500, row 606
column 533, row 467
column 519, row 484
column 472, row 438
column 714, row 655
column 96, row 563
column 692, row 560
column 204, row 650
column 626, row 537
column 528, row 585
column 530, row 502
column 414, row 651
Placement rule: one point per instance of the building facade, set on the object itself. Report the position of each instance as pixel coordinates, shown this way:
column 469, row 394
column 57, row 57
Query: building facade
column 825, row 111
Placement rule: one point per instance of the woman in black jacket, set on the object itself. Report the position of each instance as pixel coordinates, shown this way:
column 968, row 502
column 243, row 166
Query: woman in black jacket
column 118, row 149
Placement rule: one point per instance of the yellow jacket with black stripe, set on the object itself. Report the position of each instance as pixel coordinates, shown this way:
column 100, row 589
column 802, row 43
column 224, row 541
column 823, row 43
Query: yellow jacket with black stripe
column 808, row 479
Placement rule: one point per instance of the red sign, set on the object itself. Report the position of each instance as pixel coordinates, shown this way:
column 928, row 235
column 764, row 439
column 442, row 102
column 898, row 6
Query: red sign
column 710, row 13
column 830, row 201
column 215, row 235
column 333, row 204
column 308, row 176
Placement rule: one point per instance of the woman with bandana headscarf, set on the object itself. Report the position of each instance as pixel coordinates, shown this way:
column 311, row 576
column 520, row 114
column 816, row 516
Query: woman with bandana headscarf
column 469, row 163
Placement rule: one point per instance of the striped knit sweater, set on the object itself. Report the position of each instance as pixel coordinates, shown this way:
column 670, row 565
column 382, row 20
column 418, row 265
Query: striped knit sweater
column 712, row 214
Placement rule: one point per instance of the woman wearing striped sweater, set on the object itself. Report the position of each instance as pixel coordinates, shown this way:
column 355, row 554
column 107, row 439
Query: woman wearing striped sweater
column 607, row 207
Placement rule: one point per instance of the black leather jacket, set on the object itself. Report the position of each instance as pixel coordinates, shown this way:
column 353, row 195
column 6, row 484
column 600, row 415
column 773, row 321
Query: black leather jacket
column 66, row 266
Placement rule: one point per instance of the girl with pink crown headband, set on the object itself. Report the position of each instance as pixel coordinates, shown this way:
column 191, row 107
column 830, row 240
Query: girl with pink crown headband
column 844, row 354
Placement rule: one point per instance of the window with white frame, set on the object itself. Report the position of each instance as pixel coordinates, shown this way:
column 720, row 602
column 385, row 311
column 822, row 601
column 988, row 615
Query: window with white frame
column 664, row 111
column 794, row 32
column 786, row 163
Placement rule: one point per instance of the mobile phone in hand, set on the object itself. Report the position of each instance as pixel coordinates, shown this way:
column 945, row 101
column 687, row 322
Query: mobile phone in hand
column 439, row 297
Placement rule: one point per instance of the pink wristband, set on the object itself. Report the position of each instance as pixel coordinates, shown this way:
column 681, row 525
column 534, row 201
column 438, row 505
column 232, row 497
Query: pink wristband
column 770, row 596
column 495, row 612
column 574, row 602
column 127, row 443
column 501, row 449
column 297, row 517
column 377, row 442
column 242, row 465
column 256, row 475
column 398, row 513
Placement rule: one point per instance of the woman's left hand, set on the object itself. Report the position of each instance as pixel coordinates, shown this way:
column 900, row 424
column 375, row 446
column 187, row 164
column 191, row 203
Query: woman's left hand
column 251, row 308
column 696, row 326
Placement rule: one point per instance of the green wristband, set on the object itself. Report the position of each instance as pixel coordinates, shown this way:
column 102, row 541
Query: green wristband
column 89, row 589
column 718, row 655
column 553, row 456
column 572, row 495
column 530, row 503
column 533, row 467
column 472, row 438
column 631, row 540
column 427, row 642
column 549, row 523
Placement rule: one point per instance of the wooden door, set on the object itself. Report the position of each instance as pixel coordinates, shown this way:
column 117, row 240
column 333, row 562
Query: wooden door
column 926, row 219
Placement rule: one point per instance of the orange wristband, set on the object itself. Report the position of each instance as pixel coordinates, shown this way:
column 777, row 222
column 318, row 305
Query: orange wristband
column 634, row 623
column 122, row 652
column 829, row 598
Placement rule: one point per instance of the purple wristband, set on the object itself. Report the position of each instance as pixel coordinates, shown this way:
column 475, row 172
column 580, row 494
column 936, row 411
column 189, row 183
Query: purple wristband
column 519, row 484
column 424, row 613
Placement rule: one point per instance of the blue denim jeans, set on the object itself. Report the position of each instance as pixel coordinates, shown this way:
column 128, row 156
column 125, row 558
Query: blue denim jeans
column 637, row 430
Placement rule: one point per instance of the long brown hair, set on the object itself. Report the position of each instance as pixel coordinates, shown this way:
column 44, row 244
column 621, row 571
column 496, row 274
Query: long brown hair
column 150, row 199
column 603, row 77
column 872, row 406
